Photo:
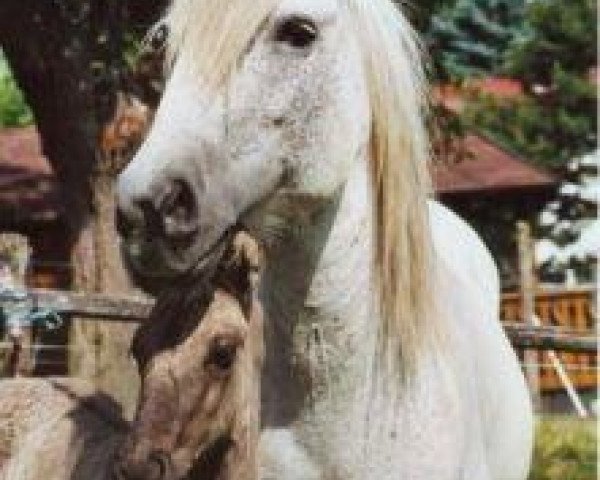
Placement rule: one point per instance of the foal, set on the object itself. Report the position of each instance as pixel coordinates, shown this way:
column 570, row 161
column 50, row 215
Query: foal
column 200, row 358
column 198, row 412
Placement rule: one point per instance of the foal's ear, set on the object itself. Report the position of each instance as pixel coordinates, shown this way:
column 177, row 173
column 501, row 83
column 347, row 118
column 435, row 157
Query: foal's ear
column 250, row 257
column 241, row 269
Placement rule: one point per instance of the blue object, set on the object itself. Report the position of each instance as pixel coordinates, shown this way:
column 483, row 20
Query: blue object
column 18, row 309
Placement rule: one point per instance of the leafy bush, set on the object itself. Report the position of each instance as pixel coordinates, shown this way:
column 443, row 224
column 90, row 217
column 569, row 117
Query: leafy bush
column 470, row 37
column 547, row 129
column 14, row 111
column 558, row 33
column 549, row 45
column 565, row 449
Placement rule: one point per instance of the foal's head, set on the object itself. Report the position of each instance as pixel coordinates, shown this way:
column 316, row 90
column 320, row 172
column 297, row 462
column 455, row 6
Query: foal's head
column 199, row 358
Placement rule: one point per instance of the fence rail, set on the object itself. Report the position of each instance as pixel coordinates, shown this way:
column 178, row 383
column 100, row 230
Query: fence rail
column 135, row 309
column 573, row 313
column 86, row 305
column 549, row 338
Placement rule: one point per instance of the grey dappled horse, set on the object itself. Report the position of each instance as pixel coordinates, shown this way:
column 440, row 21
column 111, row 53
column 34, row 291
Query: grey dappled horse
column 301, row 121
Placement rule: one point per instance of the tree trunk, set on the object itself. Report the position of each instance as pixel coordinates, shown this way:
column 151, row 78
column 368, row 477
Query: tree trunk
column 101, row 349
column 67, row 57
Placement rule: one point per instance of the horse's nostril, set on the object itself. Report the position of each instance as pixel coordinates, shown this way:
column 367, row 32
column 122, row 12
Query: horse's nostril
column 153, row 222
column 171, row 210
column 178, row 208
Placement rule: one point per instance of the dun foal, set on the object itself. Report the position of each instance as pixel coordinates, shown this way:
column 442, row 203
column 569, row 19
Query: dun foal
column 200, row 357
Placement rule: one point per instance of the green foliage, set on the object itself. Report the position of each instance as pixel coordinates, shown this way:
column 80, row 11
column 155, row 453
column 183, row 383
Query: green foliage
column 14, row 111
column 549, row 129
column 471, row 37
column 565, row 449
column 420, row 13
column 558, row 32
column 550, row 50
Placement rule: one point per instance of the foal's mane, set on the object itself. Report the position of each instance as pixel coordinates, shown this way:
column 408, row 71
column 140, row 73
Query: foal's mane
column 214, row 34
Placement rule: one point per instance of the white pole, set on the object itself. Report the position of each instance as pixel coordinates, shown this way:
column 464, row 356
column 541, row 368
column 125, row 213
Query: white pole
column 526, row 264
column 526, row 267
column 564, row 377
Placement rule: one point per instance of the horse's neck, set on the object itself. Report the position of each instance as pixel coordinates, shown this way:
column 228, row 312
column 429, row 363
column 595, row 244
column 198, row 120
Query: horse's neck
column 320, row 326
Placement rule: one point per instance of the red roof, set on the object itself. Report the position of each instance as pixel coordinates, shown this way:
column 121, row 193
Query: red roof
column 502, row 87
column 453, row 97
column 21, row 150
column 28, row 188
column 488, row 167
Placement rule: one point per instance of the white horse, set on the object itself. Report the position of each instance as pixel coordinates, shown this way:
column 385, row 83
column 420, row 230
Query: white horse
column 302, row 121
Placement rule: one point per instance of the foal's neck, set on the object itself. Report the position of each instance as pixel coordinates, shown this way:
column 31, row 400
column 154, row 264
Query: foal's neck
column 320, row 327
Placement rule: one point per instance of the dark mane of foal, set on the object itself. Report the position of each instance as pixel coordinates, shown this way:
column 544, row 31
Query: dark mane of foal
column 179, row 308
column 175, row 316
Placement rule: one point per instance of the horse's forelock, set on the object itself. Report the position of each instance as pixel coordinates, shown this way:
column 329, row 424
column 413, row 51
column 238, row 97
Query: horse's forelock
column 213, row 34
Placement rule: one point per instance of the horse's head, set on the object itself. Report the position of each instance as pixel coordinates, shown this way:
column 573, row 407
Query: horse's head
column 265, row 97
column 200, row 363
column 270, row 106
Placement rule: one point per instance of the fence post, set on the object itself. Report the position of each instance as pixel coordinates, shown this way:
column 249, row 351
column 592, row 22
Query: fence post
column 527, row 285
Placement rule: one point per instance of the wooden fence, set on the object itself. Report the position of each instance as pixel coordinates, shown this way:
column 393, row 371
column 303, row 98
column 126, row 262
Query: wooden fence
column 572, row 311
column 568, row 325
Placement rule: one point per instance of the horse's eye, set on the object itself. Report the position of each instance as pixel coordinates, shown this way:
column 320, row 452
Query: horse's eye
column 222, row 353
column 298, row 32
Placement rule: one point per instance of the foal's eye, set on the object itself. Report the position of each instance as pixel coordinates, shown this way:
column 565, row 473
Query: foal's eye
column 222, row 353
column 298, row 32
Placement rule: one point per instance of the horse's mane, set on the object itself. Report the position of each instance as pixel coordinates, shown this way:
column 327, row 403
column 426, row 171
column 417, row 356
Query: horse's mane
column 214, row 34
column 400, row 179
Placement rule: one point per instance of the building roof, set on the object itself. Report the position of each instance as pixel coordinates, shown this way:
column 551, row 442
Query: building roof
column 453, row 97
column 487, row 167
column 28, row 187
column 21, row 151
column 503, row 87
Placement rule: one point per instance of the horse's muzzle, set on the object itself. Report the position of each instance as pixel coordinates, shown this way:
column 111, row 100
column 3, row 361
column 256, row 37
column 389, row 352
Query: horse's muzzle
column 170, row 210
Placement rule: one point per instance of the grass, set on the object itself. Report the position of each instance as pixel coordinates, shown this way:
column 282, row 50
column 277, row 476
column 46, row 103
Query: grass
column 565, row 449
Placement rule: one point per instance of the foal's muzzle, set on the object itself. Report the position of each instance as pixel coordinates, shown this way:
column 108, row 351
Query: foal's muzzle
column 157, row 466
